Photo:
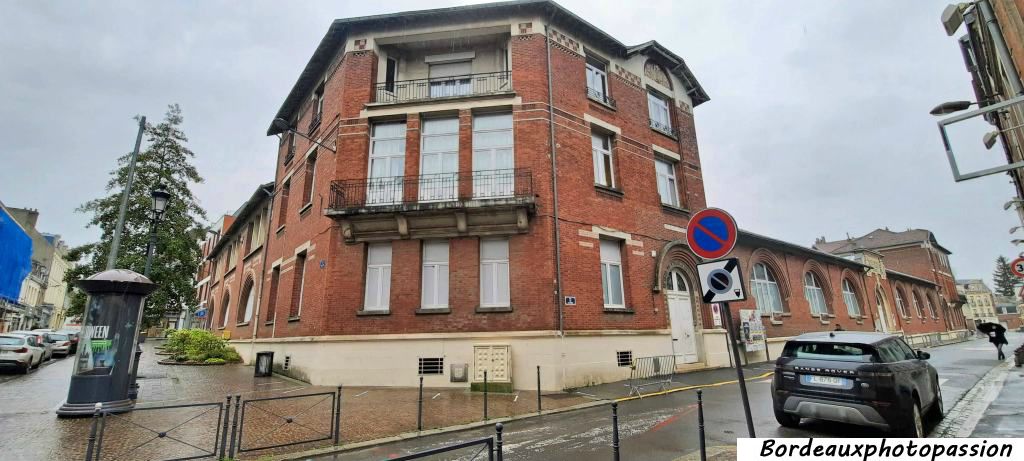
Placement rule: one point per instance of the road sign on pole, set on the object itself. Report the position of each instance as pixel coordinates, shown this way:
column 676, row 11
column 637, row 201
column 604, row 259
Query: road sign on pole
column 721, row 281
column 1017, row 267
column 711, row 233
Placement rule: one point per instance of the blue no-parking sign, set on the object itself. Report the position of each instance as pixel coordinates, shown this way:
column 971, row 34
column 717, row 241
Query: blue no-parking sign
column 711, row 233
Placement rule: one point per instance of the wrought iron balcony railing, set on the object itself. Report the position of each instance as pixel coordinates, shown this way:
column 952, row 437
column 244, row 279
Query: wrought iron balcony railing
column 314, row 123
column 438, row 188
column 664, row 128
column 443, row 87
column 600, row 97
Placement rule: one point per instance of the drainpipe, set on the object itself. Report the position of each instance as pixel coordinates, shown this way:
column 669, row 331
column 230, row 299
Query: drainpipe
column 554, row 186
column 1001, row 50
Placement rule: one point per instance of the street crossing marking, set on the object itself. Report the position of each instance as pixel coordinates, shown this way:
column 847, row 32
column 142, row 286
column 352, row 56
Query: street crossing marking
column 362, row 393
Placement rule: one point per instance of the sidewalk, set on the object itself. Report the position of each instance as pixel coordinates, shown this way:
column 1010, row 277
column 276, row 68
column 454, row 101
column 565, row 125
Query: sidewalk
column 619, row 390
column 1004, row 417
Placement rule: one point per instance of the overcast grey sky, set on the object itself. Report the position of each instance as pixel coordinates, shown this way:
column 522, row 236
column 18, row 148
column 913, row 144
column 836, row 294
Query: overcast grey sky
column 818, row 122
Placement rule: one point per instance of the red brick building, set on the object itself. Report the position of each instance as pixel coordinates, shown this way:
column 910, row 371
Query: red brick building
column 230, row 287
column 456, row 192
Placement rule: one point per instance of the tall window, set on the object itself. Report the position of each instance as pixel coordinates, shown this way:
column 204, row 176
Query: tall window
column 275, row 281
column 493, row 158
column 387, row 163
column 390, row 74
column 657, row 108
column 282, row 202
column 298, row 288
column 378, row 277
column 667, row 182
column 310, row 180
column 597, row 79
column 249, row 236
column 930, row 306
column 900, row 304
column 601, row 145
column 290, row 154
column 248, row 302
column 318, row 107
column 494, row 291
column 766, row 290
column 451, row 79
column 814, row 294
column 233, row 255
column 439, row 159
column 880, row 302
column 435, row 274
column 917, row 304
column 850, row 297
column 611, row 274
column 224, row 310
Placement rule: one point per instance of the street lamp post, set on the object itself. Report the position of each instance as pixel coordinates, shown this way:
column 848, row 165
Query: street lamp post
column 159, row 206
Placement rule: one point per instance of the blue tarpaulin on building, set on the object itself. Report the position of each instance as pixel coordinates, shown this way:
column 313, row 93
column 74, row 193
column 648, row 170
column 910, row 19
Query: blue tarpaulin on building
column 15, row 257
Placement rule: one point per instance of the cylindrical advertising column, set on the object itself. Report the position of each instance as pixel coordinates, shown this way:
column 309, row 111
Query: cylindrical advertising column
column 110, row 328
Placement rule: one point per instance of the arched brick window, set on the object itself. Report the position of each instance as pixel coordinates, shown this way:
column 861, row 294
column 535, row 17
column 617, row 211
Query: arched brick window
column 901, row 303
column 224, row 310
column 246, row 302
column 765, row 287
column 851, row 299
column 917, row 303
column 815, row 293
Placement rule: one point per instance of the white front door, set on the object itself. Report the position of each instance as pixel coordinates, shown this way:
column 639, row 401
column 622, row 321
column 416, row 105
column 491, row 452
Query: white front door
column 680, row 314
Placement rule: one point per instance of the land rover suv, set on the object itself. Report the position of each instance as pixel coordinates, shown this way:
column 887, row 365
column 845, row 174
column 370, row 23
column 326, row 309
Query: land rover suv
column 867, row 379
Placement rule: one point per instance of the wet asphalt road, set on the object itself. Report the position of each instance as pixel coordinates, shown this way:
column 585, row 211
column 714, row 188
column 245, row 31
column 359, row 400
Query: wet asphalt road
column 665, row 427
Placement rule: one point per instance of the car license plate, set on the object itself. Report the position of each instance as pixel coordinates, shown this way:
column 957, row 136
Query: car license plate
column 827, row 381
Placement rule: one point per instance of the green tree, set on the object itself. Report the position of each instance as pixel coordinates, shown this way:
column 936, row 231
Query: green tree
column 167, row 162
column 1003, row 277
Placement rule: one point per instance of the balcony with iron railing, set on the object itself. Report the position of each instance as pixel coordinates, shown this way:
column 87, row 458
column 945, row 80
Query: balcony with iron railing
column 441, row 204
column 459, row 86
column 664, row 128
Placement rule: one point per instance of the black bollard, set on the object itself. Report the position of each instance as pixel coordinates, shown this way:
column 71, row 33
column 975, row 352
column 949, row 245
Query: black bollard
column 224, row 431
column 538, row 390
column 497, row 429
column 419, row 408
column 485, row 395
column 337, row 419
column 92, row 432
column 700, row 425
column 234, row 428
column 615, row 431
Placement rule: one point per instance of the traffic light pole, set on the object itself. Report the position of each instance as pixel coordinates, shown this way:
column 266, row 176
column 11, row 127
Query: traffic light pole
column 731, row 329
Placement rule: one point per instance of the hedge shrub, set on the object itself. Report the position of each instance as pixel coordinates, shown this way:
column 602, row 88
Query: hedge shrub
column 199, row 345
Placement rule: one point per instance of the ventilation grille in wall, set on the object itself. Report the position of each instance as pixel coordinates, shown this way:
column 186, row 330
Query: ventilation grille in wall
column 624, row 358
column 431, row 366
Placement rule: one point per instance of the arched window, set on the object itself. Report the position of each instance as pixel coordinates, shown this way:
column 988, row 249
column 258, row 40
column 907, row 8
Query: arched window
column 931, row 306
column 766, row 290
column 814, row 294
column 247, row 302
column 917, row 304
column 901, row 305
column 224, row 310
column 850, row 297
column 674, row 281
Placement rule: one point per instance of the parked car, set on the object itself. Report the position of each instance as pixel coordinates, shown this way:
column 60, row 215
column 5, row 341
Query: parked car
column 73, row 336
column 61, row 343
column 20, row 351
column 867, row 379
column 41, row 340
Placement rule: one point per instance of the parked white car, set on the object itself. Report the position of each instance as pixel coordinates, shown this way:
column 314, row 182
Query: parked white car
column 40, row 340
column 61, row 343
column 19, row 351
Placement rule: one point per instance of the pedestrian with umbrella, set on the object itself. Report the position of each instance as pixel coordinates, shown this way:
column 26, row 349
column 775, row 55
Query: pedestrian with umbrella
column 996, row 335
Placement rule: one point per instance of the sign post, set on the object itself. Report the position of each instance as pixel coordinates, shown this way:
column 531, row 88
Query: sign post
column 711, row 234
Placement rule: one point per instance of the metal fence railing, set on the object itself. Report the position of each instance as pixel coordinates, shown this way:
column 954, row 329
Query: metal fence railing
column 651, row 371
column 441, row 187
column 443, row 87
column 490, row 447
column 214, row 430
column 275, row 422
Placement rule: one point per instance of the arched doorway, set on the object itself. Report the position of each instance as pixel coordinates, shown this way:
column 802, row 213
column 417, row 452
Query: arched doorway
column 680, row 314
column 881, row 320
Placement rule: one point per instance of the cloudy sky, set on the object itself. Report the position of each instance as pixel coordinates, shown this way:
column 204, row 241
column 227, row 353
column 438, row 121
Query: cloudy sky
column 818, row 122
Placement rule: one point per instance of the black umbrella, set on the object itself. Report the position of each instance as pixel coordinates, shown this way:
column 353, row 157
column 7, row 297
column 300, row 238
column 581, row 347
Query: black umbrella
column 989, row 327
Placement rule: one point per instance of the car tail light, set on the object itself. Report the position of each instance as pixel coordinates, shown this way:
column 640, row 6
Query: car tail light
column 21, row 351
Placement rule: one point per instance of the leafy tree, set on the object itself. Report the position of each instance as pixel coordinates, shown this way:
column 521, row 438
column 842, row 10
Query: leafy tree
column 167, row 162
column 1003, row 277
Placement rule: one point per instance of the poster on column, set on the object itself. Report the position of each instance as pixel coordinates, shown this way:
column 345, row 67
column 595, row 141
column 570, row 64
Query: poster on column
column 752, row 330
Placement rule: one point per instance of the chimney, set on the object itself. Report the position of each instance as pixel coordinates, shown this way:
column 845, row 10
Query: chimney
column 820, row 239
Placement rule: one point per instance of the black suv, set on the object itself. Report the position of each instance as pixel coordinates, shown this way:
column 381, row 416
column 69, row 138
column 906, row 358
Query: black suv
column 868, row 379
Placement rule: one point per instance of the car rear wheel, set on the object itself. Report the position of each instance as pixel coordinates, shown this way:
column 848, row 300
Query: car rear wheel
column 786, row 419
column 914, row 426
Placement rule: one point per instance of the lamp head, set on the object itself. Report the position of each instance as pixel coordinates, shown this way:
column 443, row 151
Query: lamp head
column 281, row 124
column 949, row 107
column 160, row 198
